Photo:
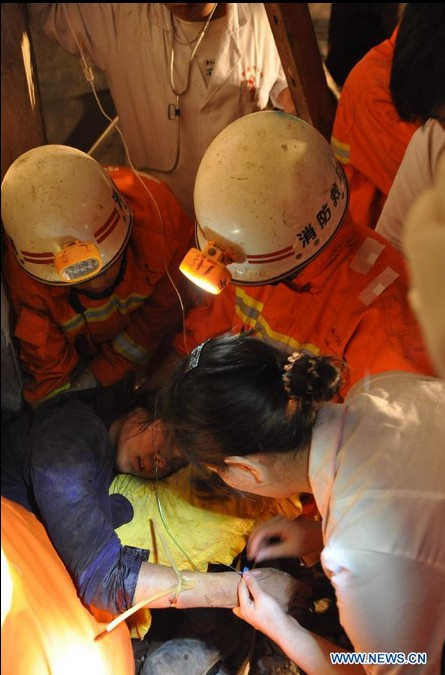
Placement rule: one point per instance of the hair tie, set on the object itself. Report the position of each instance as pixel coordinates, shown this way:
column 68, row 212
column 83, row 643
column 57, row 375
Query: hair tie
column 287, row 368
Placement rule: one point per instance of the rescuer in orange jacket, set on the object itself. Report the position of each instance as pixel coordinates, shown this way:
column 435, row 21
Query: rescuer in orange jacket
column 368, row 136
column 91, row 266
column 303, row 275
column 45, row 626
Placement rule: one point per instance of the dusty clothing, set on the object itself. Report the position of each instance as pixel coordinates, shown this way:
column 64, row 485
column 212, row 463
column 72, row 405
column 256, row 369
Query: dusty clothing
column 417, row 172
column 59, row 463
column 132, row 44
column 47, row 628
column 368, row 136
column 350, row 301
column 60, row 328
column 377, row 469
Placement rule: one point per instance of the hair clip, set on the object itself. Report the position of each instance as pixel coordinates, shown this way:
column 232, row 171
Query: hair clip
column 195, row 356
column 287, row 368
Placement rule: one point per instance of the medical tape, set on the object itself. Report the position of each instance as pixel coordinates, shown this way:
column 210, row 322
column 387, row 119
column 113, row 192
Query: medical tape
column 376, row 287
column 366, row 256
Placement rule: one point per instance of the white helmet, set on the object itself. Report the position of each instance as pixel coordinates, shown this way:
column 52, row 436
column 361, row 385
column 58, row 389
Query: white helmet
column 270, row 194
column 64, row 217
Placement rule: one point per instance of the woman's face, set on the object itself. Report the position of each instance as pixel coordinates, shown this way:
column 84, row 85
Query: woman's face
column 145, row 450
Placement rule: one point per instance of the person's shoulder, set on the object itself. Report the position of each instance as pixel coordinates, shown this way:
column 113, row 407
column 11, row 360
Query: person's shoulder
column 248, row 12
column 132, row 182
column 419, row 162
column 70, row 424
column 64, row 404
column 120, row 175
column 250, row 7
column 372, row 71
column 434, row 135
column 369, row 242
column 110, row 402
column 156, row 12
column 254, row 7
column 430, row 133
column 105, row 403
column 394, row 383
column 154, row 205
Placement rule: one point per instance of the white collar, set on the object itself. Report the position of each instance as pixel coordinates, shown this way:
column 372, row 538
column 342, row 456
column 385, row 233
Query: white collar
column 326, row 441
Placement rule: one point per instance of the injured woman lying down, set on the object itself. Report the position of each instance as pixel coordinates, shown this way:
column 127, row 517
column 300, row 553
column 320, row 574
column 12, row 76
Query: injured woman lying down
column 146, row 541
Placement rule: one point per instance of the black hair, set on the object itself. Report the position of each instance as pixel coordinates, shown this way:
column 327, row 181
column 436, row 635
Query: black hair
column 353, row 30
column 147, row 399
column 229, row 398
column 417, row 81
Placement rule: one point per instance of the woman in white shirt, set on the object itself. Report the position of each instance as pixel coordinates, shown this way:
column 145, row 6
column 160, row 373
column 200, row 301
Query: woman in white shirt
column 266, row 423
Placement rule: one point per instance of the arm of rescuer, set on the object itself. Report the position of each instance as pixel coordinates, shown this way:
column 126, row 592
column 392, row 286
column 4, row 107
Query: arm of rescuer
column 210, row 316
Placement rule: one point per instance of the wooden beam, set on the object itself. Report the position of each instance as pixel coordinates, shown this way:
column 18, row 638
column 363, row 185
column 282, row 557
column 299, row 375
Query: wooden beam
column 297, row 45
column 22, row 129
column 22, row 118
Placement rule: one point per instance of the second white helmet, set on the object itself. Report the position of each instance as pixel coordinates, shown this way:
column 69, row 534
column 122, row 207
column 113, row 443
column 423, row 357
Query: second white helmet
column 270, row 193
column 63, row 215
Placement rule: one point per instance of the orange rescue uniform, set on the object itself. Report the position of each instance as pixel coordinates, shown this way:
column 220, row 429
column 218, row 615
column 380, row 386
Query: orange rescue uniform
column 46, row 630
column 59, row 328
column 368, row 136
column 349, row 301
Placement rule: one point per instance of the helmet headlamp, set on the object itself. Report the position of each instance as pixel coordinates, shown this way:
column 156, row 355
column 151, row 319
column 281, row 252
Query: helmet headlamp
column 77, row 262
column 207, row 269
column 63, row 215
column 269, row 191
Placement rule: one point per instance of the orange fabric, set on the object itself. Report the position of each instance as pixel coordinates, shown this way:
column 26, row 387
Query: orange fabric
column 47, row 630
column 116, row 334
column 368, row 136
column 340, row 304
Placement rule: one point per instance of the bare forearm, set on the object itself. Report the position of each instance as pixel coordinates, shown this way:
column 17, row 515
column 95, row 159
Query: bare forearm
column 160, row 586
column 194, row 589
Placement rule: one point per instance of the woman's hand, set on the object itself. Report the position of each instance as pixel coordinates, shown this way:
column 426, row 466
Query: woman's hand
column 257, row 607
column 284, row 538
column 289, row 593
